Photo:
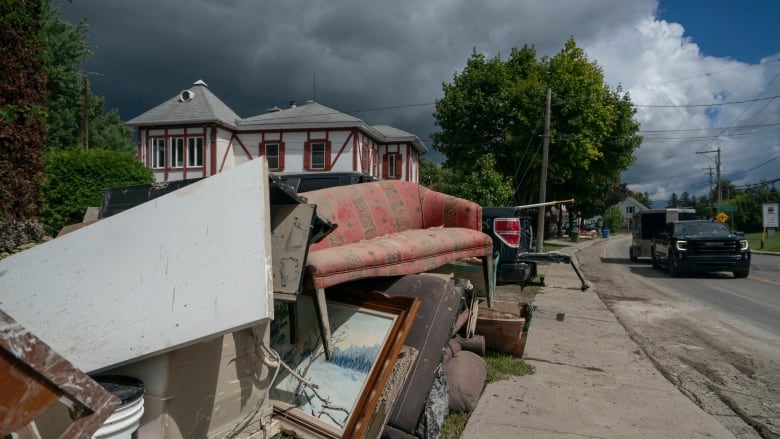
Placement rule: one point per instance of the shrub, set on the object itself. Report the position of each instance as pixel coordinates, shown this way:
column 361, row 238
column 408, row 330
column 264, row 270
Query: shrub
column 76, row 179
column 17, row 233
column 613, row 218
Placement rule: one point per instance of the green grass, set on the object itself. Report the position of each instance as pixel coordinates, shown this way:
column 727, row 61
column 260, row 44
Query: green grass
column 770, row 244
column 500, row 366
column 454, row 425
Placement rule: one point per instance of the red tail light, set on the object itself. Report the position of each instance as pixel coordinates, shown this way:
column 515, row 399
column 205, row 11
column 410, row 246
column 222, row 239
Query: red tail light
column 508, row 230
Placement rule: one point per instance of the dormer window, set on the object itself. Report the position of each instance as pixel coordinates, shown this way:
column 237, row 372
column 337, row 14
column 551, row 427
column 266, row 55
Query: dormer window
column 186, row 96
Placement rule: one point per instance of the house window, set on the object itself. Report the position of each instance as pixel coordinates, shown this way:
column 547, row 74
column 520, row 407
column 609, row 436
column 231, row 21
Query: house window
column 316, row 156
column 177, row 152
column 629, row 209
column 158, row 153
column 195, row 151
column 272, row 155
column 391, row 166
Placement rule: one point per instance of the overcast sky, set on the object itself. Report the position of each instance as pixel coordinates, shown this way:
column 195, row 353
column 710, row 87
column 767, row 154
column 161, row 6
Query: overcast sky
column 701, row 79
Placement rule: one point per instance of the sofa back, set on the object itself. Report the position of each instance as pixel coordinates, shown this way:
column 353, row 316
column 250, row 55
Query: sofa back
column 367, row 210
column 373, row 209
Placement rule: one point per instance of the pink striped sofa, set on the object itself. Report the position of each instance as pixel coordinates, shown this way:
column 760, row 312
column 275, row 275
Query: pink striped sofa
column 391, row 228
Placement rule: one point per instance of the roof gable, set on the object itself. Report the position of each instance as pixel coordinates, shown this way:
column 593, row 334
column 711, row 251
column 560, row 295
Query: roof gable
column 300, row 115
column 198, row 104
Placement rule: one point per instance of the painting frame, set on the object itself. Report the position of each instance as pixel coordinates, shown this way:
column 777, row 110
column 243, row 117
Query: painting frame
column 393, row 317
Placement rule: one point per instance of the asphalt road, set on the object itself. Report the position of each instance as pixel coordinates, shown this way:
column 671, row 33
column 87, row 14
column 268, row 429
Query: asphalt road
column 712, row 336
column 753, row 302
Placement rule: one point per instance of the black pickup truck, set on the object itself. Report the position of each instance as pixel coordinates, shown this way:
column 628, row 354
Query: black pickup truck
column 700, row 246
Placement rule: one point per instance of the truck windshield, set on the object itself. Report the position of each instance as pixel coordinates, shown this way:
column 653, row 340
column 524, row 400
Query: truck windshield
column 708, row 228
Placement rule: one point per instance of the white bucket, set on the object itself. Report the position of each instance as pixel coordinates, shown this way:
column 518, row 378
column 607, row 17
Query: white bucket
column 125, row 420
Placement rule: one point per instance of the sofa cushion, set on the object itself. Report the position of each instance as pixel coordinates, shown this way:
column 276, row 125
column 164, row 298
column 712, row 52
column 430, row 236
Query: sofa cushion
column 367, row 210
column 407, row 252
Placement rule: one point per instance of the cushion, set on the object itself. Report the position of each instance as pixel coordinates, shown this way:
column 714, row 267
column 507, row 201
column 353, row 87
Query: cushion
column 466, row 373
column 412, row 251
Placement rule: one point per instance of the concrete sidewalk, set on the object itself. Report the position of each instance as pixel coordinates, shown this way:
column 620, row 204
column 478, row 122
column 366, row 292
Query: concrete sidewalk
column 591, row 379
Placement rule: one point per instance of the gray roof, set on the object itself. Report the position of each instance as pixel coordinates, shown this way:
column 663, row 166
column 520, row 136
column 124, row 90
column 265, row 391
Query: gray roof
column 392, row 134
column 315, row 115
column 311, row 113
column 196, row 105
column 199, row 105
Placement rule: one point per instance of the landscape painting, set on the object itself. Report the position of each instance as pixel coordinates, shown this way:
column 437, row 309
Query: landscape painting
column 331, row 389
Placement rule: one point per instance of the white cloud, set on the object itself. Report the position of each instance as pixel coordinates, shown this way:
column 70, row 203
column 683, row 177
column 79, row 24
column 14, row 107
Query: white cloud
column 660, row 66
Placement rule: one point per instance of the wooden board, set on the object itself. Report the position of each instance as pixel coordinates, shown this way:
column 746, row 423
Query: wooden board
column 187, row 266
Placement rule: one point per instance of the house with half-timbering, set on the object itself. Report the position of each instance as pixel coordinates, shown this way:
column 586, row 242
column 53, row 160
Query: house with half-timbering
column 194, row 134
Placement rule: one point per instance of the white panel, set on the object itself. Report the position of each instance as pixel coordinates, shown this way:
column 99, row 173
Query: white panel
column 183, row 267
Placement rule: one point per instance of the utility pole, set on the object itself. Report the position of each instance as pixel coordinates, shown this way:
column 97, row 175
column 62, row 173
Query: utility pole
column 543, row 178
column 85, row 113
column 717, row 169
column 709, row 195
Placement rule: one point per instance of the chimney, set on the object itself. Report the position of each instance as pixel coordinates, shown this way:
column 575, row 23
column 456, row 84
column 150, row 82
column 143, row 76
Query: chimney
column 293, row 104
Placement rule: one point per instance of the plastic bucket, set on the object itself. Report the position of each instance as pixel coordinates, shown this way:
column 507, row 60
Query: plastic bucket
column 605, row 233
column 125, row 420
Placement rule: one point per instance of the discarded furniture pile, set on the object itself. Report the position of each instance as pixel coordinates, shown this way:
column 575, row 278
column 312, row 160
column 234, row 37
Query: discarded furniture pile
column 246, row 309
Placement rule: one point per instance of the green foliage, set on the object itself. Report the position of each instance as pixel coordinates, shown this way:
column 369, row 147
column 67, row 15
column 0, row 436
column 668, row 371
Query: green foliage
column 613, row 218
column 75, row 180
column 748, row 201
column 68, row 86
column 485, row 185
column 497, row 106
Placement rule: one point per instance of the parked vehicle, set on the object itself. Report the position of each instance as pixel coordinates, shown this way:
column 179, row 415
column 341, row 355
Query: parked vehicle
column 701, row 246
column 648, row 223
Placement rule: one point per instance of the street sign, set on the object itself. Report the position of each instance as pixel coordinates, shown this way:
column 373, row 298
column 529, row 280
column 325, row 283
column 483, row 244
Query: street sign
column 770, row 214
column 728, row 207
column 722, row 217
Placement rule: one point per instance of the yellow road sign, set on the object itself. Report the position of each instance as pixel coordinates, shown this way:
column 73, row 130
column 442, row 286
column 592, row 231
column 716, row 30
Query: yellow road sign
column 722, row 217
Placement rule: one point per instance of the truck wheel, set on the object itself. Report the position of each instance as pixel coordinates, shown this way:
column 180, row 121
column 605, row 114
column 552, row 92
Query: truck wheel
column 631, row 254
column 674, row 270
column 741, row 274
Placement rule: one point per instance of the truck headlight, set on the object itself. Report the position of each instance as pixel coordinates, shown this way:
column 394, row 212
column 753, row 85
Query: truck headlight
column 743, row 244
column 681, row 245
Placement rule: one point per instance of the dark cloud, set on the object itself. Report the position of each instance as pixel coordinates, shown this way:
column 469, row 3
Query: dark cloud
column 381, row 61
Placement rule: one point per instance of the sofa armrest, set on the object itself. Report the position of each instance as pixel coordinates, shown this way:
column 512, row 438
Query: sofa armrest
column 440, row 209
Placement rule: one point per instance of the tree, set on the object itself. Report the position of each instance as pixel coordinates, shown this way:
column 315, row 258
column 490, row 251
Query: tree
column 76, row 178
column 22, row 108
column 497, row 106
column 673, row 201
column 65, row 51
column 613, row 218
column 485, row 185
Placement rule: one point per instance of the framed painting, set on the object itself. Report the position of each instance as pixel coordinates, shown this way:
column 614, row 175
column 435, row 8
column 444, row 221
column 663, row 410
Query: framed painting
column 337, row 398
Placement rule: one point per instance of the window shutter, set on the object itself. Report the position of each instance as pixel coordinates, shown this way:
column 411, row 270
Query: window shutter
column 384, row 166
column 307, row 156
column 281, row 156
column 328, row 164
column 398, row 162
column 261, row 149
